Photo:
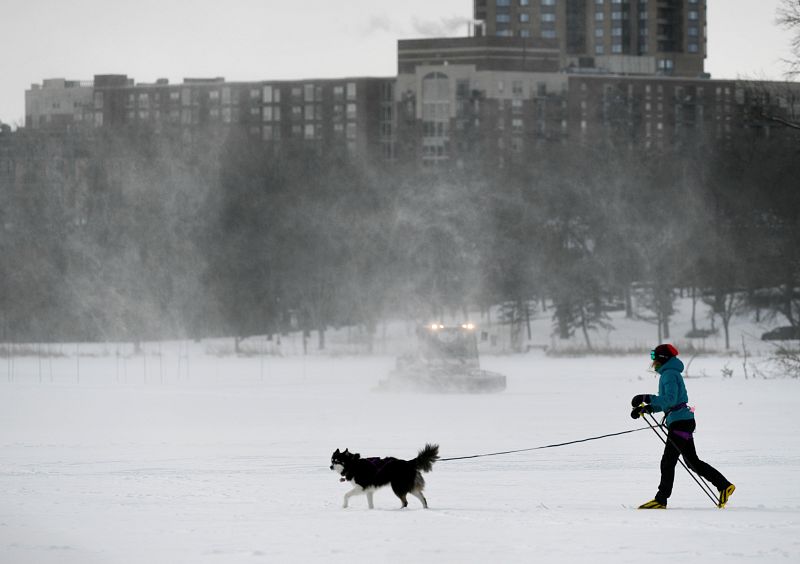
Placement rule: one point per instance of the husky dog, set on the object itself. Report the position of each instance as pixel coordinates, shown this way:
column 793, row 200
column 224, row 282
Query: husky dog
column 369, row 474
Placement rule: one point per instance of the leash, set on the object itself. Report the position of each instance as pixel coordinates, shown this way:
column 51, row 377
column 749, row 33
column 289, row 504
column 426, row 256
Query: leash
column 545, row 446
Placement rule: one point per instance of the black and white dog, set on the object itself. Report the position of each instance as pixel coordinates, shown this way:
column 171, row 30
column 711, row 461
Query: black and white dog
column 369, row 474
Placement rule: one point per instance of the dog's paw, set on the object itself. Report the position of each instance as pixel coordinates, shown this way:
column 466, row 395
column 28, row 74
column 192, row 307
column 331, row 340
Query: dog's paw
column 342, row 480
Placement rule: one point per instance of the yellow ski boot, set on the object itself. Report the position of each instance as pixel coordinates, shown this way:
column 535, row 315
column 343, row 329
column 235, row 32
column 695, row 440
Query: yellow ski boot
column 724, row 495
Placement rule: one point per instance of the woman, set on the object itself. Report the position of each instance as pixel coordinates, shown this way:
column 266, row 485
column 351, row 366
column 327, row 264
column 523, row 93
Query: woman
column 672, row 400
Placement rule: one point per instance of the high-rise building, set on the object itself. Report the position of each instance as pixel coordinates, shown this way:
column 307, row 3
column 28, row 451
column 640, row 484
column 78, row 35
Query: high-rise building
column 666, row 37
column 535, row 73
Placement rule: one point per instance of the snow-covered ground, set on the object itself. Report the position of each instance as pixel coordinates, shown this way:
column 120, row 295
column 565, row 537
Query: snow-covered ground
column 197, row 458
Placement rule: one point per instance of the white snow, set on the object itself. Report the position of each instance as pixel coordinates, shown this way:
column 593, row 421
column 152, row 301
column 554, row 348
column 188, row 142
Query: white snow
column 227, row 461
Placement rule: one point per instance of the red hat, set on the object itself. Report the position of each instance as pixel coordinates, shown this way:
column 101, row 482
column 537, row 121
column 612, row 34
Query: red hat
column 662, row 353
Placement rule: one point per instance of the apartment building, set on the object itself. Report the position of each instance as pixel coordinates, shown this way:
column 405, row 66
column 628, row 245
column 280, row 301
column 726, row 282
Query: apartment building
column 57, row 103
column 351, row 113
column 665, row 37
column 534, row 72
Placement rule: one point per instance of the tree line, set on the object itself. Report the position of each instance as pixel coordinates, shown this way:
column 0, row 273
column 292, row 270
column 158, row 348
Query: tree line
column 137, row 235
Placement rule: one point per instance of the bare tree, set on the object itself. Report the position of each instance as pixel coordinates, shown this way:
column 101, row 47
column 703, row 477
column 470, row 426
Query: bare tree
column 789, row 18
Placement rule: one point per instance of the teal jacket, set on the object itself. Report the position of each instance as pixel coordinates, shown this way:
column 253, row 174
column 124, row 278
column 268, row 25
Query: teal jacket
column 672, row 392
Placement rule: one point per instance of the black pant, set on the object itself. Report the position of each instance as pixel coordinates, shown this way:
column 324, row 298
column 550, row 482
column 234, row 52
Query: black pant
column 681, row 442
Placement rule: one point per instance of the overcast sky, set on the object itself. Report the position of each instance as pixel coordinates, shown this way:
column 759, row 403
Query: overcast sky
column 272, row 39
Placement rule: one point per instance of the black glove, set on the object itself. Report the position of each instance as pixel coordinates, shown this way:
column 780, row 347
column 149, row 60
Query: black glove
column 639, row 409
column 639, row 399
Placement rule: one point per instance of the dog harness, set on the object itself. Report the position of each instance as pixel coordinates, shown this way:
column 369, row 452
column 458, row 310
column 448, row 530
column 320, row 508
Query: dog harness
column 379, row 462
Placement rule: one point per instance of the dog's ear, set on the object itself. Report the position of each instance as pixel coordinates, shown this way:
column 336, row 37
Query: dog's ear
column 336, row 451
column 346, row 451
column 356, row 456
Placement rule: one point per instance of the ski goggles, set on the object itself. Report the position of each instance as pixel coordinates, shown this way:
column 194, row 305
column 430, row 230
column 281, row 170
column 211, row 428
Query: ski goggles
column 653, row 354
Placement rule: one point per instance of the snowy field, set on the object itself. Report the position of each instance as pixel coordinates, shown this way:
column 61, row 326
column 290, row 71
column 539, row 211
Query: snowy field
column 223, row 459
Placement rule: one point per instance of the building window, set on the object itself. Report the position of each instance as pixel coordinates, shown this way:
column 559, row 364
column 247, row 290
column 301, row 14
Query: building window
column 524, row 2
column 351, row 90
column 338, row 93
column 524, row 33
column 503, row 2
column 693, row 31
column 548, row 2
column 266, row 94
column 616, row 49
column 435, row 116
column 599, row 16
column 351, row 111
column 524, row 17
column 694, row 15
column 666, row 64
column 694, row 48
column 503, row 18
column 599, row 50
column 309, row 131
column 549, row 33
column 598, row 32
column 541, row 89
column 548, row 17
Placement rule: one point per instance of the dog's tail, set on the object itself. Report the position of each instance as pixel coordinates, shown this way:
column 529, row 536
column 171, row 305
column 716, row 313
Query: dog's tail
column 426, row 457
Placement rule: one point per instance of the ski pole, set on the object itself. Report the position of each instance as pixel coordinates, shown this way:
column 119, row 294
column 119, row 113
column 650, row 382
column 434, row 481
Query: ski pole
column 664, row 436
column 698, row 479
